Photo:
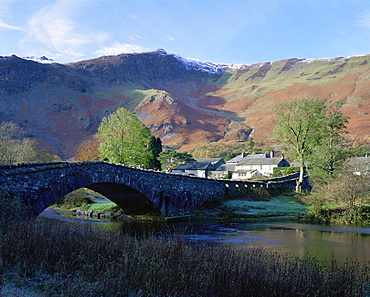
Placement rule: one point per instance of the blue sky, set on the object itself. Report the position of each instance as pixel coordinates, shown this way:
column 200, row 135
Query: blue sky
column 223, row 31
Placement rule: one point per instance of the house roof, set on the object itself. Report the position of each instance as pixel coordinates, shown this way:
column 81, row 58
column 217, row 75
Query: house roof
column 226, row 167
column 257, row 156
column 243, row 156
column 201, row 164
column 260, row 161
column 237, row 158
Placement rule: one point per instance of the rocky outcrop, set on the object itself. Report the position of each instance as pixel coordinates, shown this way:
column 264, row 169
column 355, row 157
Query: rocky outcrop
column 155, row 68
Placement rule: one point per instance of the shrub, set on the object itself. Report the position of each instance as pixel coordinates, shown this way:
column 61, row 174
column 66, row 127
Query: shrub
column 282, row 171
column 77, row 198
column 11, row 208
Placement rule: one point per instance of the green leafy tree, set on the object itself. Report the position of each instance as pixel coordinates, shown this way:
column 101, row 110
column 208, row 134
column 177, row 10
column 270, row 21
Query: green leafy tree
column 300, row 124
column 331, row 152
column 171, row 159
column 155, row 147
column 313, row 129
column 124, row 139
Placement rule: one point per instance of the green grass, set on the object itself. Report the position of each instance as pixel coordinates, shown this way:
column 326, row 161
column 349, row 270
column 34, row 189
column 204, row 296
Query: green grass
column 85, row 199
column 100, row 206
column 247, row 210
column 339, row 214
column 277, row 206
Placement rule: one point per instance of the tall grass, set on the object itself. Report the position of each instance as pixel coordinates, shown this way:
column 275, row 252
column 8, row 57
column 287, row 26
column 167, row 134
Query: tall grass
column 68, row 260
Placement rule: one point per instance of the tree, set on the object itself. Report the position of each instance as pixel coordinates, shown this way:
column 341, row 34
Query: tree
column 303, row 124
column 171, row 159
column 347, row 188
column 88, row 151
column 124, row 139
column 155, row 147
column 10, row 135
column 14, row 147
column 330, row 153
column 25, row 151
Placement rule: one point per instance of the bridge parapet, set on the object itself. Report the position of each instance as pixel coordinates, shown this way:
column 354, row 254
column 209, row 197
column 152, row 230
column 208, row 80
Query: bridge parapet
column 39, row 185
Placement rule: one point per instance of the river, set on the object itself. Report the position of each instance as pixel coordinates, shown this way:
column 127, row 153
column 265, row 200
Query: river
column 329, row 243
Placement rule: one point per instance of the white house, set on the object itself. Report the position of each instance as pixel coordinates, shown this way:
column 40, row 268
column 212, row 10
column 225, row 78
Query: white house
column 264, row 166
column 359, row 165
column 246, row 174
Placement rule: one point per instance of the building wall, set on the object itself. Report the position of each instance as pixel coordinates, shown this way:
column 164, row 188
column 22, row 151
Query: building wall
column 264, row 169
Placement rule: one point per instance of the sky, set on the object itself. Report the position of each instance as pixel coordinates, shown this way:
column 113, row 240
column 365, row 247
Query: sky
column 219, row 31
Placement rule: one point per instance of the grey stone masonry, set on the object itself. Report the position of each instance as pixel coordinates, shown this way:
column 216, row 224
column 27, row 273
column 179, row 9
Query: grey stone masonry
column 136, row 191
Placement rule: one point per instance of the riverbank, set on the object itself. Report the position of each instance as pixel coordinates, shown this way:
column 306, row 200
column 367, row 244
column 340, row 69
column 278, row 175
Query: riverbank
column 281, row 207
column 55, row 214
column 49, row 258
column 284, row 207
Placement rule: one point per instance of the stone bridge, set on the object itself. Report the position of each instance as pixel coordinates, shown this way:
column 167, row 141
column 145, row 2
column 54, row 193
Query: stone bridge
column 136, row 191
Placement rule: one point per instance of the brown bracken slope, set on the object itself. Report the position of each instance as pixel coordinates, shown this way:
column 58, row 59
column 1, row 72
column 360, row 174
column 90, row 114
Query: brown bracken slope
column 182, row 101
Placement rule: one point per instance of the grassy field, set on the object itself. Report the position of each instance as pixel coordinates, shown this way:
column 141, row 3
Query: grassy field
column 246, row 210
column 276, row 206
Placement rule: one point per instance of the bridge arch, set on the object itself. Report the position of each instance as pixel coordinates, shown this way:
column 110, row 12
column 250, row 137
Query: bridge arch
column 40, row 186
column 130, row 200
column 136, row 191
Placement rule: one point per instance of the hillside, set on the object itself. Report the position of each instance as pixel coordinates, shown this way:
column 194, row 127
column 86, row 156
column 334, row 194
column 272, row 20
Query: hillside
column 183, row 101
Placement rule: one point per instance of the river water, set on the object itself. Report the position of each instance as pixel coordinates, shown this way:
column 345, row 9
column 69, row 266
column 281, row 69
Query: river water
column 328, row 243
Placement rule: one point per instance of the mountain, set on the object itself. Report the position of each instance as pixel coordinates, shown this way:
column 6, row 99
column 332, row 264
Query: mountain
column 183, row 101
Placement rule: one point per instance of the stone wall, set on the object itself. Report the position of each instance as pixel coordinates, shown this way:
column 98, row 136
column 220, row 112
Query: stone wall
column 40, row 185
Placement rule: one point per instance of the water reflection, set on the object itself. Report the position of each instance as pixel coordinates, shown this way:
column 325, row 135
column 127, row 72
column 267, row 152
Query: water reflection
column 324, row 242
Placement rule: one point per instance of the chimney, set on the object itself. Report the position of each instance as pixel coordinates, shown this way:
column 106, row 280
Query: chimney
column 272, row 154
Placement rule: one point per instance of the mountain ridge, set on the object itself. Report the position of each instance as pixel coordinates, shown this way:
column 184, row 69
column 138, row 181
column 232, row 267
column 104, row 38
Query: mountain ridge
column 184, row 101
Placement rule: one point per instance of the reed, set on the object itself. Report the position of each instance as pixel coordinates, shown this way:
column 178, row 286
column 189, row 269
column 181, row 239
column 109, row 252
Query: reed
column 56, row 259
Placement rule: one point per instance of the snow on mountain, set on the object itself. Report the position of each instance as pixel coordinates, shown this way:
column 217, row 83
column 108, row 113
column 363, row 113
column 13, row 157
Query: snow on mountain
column 42, row 59
column 203, row 66
column 210, row 67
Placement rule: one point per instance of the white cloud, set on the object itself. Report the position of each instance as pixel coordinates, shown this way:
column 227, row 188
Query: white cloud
column 9, row 27
column 170, row 38
column 53, row 28
column 119, row 48
column 140, row 37
column 364, row 19
column 5, row 16
column 136, row 37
